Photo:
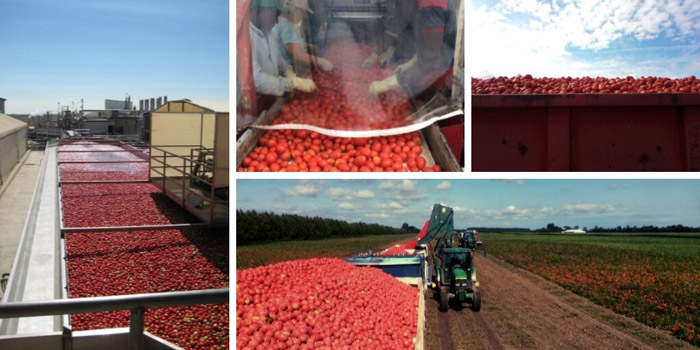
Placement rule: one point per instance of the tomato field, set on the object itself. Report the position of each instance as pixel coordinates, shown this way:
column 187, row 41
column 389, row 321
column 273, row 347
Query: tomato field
column 263, row 254
column 652, row 278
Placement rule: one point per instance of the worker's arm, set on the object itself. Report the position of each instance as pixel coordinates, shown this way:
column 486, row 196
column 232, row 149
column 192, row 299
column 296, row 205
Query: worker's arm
column 401, row 17
column 297, row 54
column 431, row 21
column 269, row 84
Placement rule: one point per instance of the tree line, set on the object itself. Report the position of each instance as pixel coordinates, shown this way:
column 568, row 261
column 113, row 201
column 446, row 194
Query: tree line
column 259, row 227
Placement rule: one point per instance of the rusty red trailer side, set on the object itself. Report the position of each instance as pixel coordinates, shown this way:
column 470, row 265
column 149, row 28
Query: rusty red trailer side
column 586, row 132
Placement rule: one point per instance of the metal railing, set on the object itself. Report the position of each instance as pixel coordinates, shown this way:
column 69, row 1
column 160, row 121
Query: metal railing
column 184, row 175
column 137, row 304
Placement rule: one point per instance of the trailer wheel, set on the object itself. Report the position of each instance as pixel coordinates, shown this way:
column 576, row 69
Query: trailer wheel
column 476, row 301
column 444, row 299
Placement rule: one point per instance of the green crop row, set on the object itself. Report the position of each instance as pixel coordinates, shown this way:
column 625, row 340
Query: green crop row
column 652, row 278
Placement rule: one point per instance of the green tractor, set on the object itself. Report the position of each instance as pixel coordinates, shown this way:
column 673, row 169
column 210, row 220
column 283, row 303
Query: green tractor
column 450, row 255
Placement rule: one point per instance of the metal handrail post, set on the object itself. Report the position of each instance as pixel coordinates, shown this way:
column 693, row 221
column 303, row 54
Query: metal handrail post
column 165, row 170
column 184, row 175
column 67, row 335
column 136, row 328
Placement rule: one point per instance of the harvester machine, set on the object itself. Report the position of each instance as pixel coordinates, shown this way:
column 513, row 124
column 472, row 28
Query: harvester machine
column 449, row 253
column 440, row 258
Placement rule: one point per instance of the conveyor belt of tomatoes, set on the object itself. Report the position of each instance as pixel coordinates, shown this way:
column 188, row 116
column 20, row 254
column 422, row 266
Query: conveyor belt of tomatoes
column 342, row 102
column 323, row 304
column 526, row 85
column 149, row 261
column 300, row 150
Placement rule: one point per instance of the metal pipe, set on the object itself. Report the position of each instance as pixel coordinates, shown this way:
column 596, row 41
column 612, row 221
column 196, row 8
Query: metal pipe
column 103, row 162
column 113, row 303
column 102, row 182
column 99, row 151
column 131, row 228
column 136, row 328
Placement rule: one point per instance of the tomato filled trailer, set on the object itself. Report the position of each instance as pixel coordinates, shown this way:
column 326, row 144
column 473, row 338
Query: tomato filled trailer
column 410, row 269
column 586, row 132
column 407, row 263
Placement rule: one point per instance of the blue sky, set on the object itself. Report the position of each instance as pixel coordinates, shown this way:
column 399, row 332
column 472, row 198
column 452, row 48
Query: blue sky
column 61, row 51
column 584, row 37
column 493, row 203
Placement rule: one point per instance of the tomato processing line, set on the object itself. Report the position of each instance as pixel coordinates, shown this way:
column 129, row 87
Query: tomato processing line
column 36, row 305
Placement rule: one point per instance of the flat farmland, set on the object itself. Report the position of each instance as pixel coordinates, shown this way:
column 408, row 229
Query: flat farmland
column 653, row 278
column 255, row 255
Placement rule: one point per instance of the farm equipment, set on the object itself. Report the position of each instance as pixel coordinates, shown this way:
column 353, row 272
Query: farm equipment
column 453, row 270
column 441, row 259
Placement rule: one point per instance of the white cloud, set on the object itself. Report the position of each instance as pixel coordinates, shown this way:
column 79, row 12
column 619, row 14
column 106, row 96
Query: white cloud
column 514, row 213
column 619, row 186
column 341, row 194
column 378, row 215
column 346, row 205
column 404, row 185
column 588, row 208
column 445, row 185
column 539, row 37
column 302, row 190
column 395, row 205
column 513, row 182
column 403, row 192
column 364, row 194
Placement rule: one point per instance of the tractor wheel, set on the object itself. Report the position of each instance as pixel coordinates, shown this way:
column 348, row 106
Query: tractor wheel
column 476, row 301
column 444, row 299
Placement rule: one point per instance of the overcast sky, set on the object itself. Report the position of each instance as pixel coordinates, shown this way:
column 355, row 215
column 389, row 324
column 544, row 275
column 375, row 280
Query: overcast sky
column 62, row 51
column 584, row 37
column 493, row 203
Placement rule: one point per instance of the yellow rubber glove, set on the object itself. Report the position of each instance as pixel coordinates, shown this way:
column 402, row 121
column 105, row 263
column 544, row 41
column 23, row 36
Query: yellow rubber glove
column 301, row 84
column 370, row 61
column 289, row 72
column 382, row 86
column 324, row 64
column 403, row 67
column 386, row 56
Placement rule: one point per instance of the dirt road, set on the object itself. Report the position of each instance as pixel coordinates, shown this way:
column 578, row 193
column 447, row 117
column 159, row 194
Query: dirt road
column 523, row 311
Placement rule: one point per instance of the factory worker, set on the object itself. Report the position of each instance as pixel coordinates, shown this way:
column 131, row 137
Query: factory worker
column 436, row 32
column 315, row 26
column 290, row 42
column 401, row 15
column 269, row 69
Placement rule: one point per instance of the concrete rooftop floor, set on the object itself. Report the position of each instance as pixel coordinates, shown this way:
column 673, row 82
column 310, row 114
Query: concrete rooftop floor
column 14, row 204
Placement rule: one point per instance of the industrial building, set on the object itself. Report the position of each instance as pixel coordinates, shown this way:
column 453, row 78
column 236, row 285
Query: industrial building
column 189, row 156
column 13, row 143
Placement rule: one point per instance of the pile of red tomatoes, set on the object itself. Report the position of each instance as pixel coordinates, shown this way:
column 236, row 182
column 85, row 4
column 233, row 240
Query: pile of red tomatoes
column 323, row 304
column 526, row 85
column 135, row 262
column 342, row 101
column 302, row 150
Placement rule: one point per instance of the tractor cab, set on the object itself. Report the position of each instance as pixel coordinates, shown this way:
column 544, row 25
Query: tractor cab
column 457, row 269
